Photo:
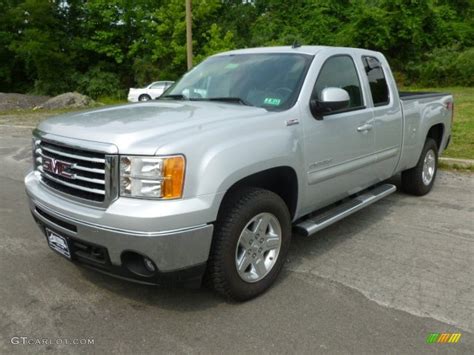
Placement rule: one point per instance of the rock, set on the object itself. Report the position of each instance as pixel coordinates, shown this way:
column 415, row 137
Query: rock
column 67, row 100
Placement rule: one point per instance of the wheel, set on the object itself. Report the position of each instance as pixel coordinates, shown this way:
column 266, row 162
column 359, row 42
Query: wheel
column 420, row 179
column 144, row 97
column 251, row 240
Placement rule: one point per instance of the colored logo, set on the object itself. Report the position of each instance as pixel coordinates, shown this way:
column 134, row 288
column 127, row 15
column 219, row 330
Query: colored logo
column 57, row 167
column 443, row 338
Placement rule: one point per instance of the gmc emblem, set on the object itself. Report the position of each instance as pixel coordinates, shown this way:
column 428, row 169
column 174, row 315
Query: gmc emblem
column 57, row 167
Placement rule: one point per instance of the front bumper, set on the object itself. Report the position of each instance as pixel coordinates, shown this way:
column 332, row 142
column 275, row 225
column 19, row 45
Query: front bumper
column 180, row 254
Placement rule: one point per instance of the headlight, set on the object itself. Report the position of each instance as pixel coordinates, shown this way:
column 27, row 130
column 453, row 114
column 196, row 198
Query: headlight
column 37, row 160
column 152, row 177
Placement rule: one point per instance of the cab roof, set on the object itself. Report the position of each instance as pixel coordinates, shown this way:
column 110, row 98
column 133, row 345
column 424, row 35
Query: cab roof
column 310, row 50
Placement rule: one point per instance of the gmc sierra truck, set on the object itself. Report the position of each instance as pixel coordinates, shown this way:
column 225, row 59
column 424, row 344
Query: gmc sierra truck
column 209, row 182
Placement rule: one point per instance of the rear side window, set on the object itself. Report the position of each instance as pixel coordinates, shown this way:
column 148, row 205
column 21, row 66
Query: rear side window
column 377, row 81
column 340, row 72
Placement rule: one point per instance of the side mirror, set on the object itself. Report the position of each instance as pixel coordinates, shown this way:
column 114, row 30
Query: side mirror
column 332, row 99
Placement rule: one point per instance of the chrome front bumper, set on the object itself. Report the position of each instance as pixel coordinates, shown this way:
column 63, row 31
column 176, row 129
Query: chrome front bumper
column 128, row 225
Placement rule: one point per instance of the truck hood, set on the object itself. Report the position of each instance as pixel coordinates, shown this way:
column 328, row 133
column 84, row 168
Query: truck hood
column 141, row 128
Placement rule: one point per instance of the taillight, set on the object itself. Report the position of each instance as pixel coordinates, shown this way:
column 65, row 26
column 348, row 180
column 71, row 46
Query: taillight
column 450, row 107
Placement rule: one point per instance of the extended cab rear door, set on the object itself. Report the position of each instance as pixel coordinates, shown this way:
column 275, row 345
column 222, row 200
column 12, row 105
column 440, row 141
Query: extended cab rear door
column 384, row 103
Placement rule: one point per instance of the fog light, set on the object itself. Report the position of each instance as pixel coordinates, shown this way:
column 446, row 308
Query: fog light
column 138, row 264
column 149, row 264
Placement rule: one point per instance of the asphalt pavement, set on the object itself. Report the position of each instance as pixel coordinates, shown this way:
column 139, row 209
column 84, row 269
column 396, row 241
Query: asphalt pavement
column 379, row 281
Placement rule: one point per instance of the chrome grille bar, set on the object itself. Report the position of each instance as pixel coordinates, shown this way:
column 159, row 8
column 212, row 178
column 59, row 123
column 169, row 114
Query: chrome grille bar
column 76, row 172
column 59, row 181
column 78, row 157
column 74, row 166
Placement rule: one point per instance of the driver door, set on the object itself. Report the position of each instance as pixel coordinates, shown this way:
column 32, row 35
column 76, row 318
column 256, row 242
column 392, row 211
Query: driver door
column 339, row 147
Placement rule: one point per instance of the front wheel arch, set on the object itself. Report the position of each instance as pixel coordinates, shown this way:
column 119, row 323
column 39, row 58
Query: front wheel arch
column 281, row 180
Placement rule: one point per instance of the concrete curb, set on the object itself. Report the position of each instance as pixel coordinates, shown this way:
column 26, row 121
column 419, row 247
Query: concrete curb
column 457, row 163
column 16, row 126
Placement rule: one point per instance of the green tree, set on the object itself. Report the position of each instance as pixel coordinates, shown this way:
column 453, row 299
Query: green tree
column 40, row 43
column 102, row 47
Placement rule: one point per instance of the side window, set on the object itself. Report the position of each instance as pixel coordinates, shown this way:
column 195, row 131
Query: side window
column 377, row 81
column 340, row 72
column 157, row 86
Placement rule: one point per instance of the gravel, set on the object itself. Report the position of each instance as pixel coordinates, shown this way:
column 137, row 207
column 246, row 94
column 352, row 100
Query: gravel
column 12, row 101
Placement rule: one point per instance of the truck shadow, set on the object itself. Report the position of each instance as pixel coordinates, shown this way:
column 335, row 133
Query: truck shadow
column 182, row 299
column 140, row 297
column 350, row 227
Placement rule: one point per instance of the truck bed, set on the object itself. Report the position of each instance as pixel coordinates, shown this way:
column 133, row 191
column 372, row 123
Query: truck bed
column 415, row 95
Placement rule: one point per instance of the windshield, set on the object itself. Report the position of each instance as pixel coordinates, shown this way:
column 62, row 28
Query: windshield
column 272, row 80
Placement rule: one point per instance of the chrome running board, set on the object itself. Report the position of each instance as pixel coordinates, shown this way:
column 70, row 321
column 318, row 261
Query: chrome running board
column 317, row 222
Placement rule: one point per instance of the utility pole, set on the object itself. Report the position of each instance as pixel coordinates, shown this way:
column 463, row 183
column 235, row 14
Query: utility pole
column 189, row 34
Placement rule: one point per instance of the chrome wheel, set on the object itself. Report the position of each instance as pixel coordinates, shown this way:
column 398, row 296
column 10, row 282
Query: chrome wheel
column 429, row 167
column 258, row 247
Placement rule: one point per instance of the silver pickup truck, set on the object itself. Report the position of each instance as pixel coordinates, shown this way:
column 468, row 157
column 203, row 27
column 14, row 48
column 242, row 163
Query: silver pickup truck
column 210, row 181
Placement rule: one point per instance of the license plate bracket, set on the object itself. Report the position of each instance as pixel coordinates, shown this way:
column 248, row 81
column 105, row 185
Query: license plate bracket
column 58, row 243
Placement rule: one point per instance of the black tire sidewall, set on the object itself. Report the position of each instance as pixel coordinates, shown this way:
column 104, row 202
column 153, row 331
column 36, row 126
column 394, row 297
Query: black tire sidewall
column 412, row 179
column 142, row 96
column 232, row 228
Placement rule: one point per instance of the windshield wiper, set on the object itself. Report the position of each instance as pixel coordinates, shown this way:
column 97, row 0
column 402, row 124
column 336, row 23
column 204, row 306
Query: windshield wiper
column 237, row 100
column 174, row 97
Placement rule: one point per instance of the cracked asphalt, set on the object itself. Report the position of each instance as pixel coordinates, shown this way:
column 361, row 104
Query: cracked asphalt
column 378, row 282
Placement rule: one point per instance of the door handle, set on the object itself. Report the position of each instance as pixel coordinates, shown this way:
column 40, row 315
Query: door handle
column 364, row 128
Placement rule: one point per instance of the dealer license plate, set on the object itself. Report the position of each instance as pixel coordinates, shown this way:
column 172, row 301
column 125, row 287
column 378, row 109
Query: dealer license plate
column 58, row 243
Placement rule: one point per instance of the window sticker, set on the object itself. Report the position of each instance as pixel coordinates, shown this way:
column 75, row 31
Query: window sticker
column 232, row 66
column 272, row 101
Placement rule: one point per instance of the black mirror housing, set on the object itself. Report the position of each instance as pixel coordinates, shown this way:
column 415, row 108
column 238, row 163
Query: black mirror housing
column 332, row 100
column 319, row 109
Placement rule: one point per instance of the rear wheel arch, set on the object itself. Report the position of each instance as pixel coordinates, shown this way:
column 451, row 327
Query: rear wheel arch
column 144, row 97
column 436, row 132
column 413, row 180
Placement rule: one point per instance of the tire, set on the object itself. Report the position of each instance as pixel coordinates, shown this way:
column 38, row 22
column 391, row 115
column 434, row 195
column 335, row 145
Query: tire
column 144, row 97
column 419, row 180
column 238, row 217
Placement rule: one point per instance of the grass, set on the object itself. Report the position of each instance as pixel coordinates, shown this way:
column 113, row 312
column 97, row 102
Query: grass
column 462, row 141
column 29, row 117
column 455, row 167
column 111, row 101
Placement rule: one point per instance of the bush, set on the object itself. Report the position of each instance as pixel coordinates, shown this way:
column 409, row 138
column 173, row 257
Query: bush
column 145, row 71
column 445, row 66
column 99, row 83
column 465, row 67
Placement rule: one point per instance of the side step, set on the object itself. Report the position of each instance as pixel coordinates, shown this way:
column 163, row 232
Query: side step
column 325, row 219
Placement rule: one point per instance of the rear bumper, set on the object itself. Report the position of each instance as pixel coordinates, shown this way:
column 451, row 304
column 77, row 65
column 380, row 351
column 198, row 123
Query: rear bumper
column 132, row 98
column 180, row 255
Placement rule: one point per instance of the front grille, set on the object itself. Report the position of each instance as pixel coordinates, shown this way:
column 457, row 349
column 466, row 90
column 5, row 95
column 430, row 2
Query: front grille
column 77, row 172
